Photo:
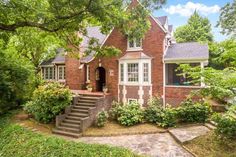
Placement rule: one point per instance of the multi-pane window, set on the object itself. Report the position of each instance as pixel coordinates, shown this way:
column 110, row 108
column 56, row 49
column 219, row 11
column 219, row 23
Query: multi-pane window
column 48, row 73
column 121, row 72
column 133, row 72
column 145, row 72
column 88, row 73
column 134, row 43
column 61, row 73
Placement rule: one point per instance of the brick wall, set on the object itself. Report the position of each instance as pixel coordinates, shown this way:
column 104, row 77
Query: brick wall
column 75, row 77
column 175, row 95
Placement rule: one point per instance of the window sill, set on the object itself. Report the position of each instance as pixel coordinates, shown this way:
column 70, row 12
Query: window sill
column 174, row 86
column 134, row 49
column 134, row 84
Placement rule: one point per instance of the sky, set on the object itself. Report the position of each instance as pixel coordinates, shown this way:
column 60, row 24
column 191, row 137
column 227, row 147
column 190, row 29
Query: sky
column 178, row 12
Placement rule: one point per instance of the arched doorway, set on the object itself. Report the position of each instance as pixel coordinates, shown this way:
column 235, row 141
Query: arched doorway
column 100, row 78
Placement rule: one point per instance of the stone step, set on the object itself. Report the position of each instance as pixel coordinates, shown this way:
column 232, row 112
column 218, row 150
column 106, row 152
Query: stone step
column 73, row 118
column 66, row 133
column 91, row 95
column 80, row 110
column 89, row 98
column 78, row 114
column 77, row 122
column 85, row 104
column 83, row 107
column 87, row 101
column 68, row 129
column 71, row 125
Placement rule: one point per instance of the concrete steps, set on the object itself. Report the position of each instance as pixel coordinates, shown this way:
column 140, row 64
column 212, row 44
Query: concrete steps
column 71, row 125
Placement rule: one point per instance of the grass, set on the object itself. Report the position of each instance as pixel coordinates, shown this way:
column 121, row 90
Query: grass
column 114, row 129
column 20, row 142
column 209, row 146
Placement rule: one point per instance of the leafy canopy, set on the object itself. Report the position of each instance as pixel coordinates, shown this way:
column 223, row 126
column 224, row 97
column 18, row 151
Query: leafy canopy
column 65, row 17
column 222, row 54
column 227, row 19
column 198, row 29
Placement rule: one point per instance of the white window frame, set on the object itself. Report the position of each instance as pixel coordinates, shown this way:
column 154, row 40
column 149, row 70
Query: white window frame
column 63, row 73
column 87, row 74
column 140, row 75
column 122, row 73
column 133, row 72
column 44, row 73
column 135, row 48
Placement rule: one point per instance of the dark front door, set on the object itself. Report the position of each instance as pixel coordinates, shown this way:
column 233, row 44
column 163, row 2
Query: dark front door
column 100, row 78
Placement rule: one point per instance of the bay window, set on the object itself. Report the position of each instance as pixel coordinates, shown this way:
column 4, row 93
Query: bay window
column 132, row 72
column 48, row 73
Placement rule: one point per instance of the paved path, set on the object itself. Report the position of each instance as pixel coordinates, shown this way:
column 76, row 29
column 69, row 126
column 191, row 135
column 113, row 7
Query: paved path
column 185, row 134
column 156, row 145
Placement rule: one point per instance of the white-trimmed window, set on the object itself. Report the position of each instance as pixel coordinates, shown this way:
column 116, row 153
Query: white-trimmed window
column 134, row 44
column 121, row 72
column 61, row 73
column 145, row 72
column 133, row 72
column 48, row 73
column 87, row 74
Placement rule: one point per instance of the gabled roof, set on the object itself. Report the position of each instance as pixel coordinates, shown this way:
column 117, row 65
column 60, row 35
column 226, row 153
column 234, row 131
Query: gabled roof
column 187, row 51
column 58, row 59
column 162, row 20
column 134, row 55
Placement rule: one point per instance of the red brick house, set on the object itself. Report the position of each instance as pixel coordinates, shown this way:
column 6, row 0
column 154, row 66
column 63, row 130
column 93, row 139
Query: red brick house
column 146, row 67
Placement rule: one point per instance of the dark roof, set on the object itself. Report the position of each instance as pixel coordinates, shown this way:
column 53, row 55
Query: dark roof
column 58, row 59
column 187, row 51
column 92, row 32
column 162, row 20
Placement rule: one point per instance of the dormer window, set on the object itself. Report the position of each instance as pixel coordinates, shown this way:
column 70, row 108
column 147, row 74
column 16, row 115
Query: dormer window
column 134, row 44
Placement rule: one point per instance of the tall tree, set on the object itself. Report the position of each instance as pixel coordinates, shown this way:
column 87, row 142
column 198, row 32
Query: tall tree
column 227, row 19
column 66, row 17
column 34, row 45
column 223, row 54
column 198, row 29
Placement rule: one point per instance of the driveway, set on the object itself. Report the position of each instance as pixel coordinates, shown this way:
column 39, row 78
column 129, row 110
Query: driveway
column 156, row 145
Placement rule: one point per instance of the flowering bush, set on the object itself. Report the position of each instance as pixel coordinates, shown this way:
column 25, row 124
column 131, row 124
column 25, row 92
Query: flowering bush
column 48, row 101
column 102, row 118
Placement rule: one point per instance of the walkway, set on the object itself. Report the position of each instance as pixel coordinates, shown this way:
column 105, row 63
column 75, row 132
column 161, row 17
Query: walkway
column 156, row 145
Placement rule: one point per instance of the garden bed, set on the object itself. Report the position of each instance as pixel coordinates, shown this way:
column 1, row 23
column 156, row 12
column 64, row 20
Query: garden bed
column 114, row 129
column 209, row 146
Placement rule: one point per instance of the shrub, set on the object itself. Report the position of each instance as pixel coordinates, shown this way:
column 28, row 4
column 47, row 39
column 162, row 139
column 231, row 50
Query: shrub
column 115, row 110
column 48, row 101
column 155, row 101
column 226, row 126
column 153, row 114
column 192, row 112
column 129, row 114
column 102, row 118
column 168, row 118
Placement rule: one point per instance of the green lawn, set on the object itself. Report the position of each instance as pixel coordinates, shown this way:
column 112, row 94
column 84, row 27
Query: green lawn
column 19, row 142
column 209, row 146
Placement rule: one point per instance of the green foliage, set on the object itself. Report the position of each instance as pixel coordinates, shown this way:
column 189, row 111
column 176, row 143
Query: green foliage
column 155, row 101
column 227, row 19
column 193, row 112
column 152, row 113
column 15, row 81
column 198, row 29
column 219, row 83
column 226, row 126
column 64, row 18
column 102, row 118
column 127, row 114
column 34, row 45
column 168, row 118
column 18, row 141
column 48, row 101
column 222, row 54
